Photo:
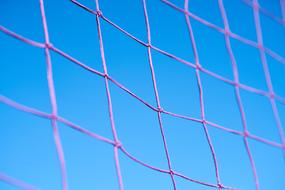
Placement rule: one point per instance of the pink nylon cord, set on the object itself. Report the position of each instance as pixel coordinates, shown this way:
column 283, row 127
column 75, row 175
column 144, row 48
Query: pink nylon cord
column 267, row 13
column 110, row 108
column 15, row 182
column 159, row 108
column 200, row 88
column 59, row 148
column 264, row 63
column 237, row 91
column 117, row 145
column 244, row 40
column 282, row 4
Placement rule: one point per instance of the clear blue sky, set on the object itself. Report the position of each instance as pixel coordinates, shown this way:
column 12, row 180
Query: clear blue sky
column 27, row 150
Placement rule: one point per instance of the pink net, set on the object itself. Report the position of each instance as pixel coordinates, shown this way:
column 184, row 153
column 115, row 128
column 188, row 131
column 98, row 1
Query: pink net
column 115, row 142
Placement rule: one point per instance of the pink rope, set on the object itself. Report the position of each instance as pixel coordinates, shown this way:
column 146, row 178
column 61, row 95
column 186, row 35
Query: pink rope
column 59, row 148
column 270, row 52
column 15, row 182
column 266, row 12
column 2, row 99
column 237, row 92
column 103, row 139
column 44, row 115
column 200, row 88
column 282, row 5
column 168, row 172
column 157, row 95
column 27, row 109
column 258, row 29
column 215, row 75
column 38, row 113
column 21, row 38
column 95, row 136
column 110, row 108
column 116, row 143
column 210, row 73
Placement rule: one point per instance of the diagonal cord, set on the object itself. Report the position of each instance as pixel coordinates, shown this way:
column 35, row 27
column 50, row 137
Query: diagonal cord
column 204, row 70
column 159, row 109
column 42, row 114
column 228, row 81
column 282, row 6
column 59, row 148
column 237, row 91
column 264, row 63
column 200, row 88
column 15, row 182
column 166, row 53
column 38, row 113
column 110, row 107
column 266, row 12
column 242, row 39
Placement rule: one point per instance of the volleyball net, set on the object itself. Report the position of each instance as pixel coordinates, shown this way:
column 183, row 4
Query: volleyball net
column 198, row 68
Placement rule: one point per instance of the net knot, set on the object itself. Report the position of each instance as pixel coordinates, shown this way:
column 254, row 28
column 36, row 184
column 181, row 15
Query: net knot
column 159, row 109
column 171, row 172
column 255, row 6
column 118, row 144
column 220, row 186
column 198, row 66
column 53, row 117
column 227, row 31
column 236, row 84
column 260, row 46
column 48, row 45
column 245, row 133
column 271, row 95
column 106, row 75
column 99, row 13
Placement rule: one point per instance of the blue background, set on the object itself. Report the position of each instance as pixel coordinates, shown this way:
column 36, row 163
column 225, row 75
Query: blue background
column 27, row 150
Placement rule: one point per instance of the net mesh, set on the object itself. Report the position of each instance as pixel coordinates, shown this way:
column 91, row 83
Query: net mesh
column 274, row 98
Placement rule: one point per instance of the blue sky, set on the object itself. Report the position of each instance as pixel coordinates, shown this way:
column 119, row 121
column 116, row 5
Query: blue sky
column 27, row 149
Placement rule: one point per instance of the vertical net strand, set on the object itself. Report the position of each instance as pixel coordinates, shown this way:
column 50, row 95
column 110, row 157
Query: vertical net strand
column 200, row 88
column 150, row 61
column 237, row 91
column 110, row 107
column 59, row 148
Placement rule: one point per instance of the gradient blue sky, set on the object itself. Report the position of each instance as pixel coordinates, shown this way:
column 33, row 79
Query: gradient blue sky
column 27, row 150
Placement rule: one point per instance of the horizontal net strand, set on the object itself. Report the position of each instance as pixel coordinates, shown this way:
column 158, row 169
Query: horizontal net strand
column 204, row 70
column 244, row 40
column 15, row 182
